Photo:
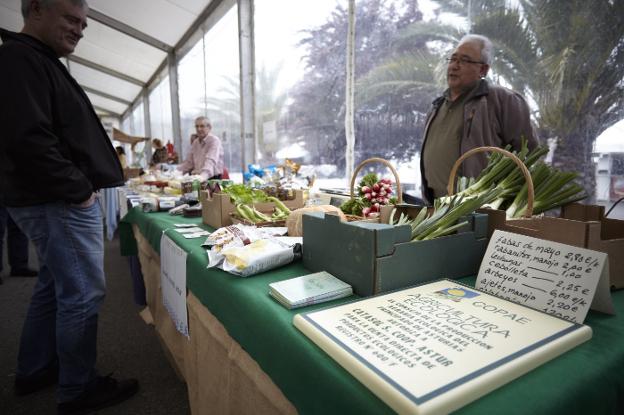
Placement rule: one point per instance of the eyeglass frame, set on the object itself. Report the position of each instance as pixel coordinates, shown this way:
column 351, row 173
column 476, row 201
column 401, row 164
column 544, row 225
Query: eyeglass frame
column 462, row 60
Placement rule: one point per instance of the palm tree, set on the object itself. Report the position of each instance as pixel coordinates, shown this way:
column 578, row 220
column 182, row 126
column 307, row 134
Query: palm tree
column 567, row 56
column 269, row 103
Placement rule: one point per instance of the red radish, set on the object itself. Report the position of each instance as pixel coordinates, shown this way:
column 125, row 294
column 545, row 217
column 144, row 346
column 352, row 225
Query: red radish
column 376, row 187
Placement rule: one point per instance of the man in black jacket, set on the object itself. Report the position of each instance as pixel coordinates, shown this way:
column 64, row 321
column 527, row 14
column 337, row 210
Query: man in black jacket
column 54, row 156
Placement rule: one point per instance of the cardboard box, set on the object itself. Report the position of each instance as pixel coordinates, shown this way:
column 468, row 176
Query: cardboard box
column 580, row 225
column 130, row 173
column 377, row 257
column 216, row 208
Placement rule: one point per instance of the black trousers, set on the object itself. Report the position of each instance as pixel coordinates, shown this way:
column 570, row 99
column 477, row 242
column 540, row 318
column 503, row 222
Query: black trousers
column 17, row 242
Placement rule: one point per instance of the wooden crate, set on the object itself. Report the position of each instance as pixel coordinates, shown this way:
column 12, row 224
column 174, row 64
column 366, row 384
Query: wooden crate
column 216, row 208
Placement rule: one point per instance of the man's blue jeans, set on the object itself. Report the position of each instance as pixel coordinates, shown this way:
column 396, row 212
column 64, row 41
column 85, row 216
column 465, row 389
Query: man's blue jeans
column 62, row 318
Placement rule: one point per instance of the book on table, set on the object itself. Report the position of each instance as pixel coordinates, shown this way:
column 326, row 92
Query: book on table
column 434, row 348
column 309, row 289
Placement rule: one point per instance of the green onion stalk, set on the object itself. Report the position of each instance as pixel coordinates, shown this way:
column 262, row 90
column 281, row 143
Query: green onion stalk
column 444, row 218
column 503, row 172
column 552, row 188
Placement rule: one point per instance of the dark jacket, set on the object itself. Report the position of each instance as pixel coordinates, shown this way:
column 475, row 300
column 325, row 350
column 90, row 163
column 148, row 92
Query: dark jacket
column 493, row 116
column 159, row 156
column 53, row 147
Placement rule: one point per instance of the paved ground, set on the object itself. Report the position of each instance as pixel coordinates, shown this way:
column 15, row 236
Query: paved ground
column 126, row 346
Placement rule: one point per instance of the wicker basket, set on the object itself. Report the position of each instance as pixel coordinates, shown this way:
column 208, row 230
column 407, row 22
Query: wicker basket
column 399, row 195
column 237, row 219
column 525, row 172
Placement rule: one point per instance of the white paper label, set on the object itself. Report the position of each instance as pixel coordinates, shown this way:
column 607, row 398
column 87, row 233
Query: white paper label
column 549, row 276
column 173, row 282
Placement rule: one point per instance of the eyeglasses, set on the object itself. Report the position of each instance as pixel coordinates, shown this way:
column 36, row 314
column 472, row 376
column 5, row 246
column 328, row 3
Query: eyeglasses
column 462, row 60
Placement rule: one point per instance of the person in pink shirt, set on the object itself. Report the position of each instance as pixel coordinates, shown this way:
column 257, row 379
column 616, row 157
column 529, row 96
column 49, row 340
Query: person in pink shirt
column 206, row 155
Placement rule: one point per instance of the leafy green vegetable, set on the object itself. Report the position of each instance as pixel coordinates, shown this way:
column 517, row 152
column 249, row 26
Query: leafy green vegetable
column 241, row 193
column 352, row 207
column 369, row 180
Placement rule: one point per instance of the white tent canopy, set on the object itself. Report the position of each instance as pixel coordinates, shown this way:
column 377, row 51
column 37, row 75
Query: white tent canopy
column 125, row 45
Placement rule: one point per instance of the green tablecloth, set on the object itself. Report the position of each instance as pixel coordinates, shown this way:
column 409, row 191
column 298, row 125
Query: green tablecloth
column 588, row 379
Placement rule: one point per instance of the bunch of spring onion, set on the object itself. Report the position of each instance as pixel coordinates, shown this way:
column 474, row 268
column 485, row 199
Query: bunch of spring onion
column 446, row 213
column 552, row 188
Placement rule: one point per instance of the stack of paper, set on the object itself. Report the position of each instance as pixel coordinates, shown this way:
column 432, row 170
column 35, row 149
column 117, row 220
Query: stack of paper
column 309, row 289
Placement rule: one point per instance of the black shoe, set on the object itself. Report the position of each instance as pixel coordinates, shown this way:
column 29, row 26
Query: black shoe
column 30, row 384
column 25, row 272
column 105, row 392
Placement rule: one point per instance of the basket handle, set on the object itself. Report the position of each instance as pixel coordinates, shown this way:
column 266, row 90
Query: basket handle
column 387, row 164
column 527, row 175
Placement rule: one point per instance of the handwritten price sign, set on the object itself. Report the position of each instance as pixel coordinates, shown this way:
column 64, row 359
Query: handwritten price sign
column 558, row 279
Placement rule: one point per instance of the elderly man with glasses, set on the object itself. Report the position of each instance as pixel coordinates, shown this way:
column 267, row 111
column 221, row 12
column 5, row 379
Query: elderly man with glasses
column 206, row 155
column 471, row 113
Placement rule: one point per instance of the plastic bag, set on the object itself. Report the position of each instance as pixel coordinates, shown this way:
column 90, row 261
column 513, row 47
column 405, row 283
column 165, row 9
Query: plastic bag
column 246, row 250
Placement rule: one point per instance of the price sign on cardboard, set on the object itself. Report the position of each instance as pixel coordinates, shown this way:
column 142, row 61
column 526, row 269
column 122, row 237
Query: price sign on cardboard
column 559, row 279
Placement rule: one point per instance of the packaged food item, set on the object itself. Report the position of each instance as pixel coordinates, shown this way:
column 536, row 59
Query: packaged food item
column 203, row 186
column 167, row 202
column 149, row 204
column 187, row 190
column 228, row 234
column 178, row 210
column 155, row 203
column 261, row 255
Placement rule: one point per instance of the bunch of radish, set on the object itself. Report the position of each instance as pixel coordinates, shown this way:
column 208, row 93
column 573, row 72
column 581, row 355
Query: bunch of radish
column 377, row 195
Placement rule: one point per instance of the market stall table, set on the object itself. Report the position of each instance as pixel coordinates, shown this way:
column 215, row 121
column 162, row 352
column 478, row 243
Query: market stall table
column 245, row 356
